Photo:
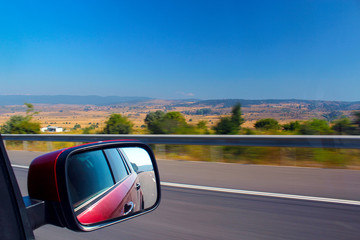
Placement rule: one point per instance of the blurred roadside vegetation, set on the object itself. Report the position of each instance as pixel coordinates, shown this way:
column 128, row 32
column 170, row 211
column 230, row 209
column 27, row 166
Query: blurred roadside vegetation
column 160, row 122
column 19, row 124
column 277, row 156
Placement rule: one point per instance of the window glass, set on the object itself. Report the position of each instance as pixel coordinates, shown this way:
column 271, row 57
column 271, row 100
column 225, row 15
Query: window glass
column 117, row 164
column 88, row 175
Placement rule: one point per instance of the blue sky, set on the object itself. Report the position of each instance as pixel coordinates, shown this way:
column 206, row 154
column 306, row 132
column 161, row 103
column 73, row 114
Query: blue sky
column 182, row 49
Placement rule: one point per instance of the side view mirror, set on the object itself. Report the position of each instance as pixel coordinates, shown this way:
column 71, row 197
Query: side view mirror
column 91, row 186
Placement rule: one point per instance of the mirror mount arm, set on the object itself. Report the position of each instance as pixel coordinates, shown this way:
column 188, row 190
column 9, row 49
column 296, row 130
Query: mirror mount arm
column 41, row 213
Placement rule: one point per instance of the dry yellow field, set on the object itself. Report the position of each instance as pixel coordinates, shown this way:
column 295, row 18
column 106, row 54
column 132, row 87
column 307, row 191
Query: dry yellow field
column 67, row 116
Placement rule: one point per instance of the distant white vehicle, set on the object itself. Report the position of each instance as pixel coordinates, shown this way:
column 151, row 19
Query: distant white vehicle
column 52, row 129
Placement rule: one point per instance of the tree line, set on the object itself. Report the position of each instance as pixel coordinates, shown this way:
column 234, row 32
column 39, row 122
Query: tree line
column 18, row 124
column 341, row 126
column 160, row 122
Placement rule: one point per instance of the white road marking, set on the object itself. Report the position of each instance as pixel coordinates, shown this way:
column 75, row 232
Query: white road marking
column 247, row 192
column 264, row 194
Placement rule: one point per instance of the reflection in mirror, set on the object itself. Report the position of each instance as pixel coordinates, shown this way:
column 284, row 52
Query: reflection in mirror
column 110, row 183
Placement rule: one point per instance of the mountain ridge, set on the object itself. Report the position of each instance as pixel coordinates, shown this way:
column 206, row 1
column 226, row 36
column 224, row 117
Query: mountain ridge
column 67, row 99
column 327, row 105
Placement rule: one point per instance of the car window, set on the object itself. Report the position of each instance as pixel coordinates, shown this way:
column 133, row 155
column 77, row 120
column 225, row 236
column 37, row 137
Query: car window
column 117, row 164
column 88, row 175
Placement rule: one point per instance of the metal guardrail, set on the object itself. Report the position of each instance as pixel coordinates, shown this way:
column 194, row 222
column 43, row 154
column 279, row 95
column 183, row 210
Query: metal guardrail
column 314, row 141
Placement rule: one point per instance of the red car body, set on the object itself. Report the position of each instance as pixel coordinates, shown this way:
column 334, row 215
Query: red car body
column 113, row 204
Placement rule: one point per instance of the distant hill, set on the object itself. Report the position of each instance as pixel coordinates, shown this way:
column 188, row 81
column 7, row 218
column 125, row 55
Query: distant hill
column 67, row 99
column 311, row 104
column 67, row 111
column 219, row 104
column 145, row 168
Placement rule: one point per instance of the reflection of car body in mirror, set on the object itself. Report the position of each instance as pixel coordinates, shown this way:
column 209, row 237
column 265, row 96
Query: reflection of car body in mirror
column 98, row 184
column 140, row 160
column 103, row 185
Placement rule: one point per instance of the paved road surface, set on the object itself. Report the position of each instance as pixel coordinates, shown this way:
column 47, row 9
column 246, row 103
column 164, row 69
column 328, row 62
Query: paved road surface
column 198, row 214
column 331, row 183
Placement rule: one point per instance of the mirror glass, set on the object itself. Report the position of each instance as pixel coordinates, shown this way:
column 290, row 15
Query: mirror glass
column 110, row 183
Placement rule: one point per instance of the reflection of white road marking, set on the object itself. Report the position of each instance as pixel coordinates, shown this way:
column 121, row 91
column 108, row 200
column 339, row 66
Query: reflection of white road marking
column 254, row 193
column 20, row 166
column 264, row 194
column 154, row 179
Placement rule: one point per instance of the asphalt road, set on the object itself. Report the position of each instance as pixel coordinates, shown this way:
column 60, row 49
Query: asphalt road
column 199, row 214
column 319, row 182
column 148, row 186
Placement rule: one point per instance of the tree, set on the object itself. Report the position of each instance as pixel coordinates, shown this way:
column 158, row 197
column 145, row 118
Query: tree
column 22, row 125
column 153, row 121
column 118, row 124
column 343, row 126
column 76, row 126
column 236, row 115
column 267, row 124
column 356, row 121
column 173, row 122
column 167, row 123
column 88, row 130
column 232, row 124
column 291, row 126
column 226, row 126
column 315, row 127
column 357, row 118
column 30, row 111
column 202, row 125
column 175, row 116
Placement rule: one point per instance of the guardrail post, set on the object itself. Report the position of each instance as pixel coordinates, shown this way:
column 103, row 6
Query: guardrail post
column 49, row 146
column 160, row 151
column 25, row 145
column 281, row 153
column 216, row 152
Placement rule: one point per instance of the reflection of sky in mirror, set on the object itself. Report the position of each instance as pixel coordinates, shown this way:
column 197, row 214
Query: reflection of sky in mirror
column 138, row 156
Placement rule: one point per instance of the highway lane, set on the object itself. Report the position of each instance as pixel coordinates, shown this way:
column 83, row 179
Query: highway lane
column 318, row 182
column 189, row 214
column 197, row 214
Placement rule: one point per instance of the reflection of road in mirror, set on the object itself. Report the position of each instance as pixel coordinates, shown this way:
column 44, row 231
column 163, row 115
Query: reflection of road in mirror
column 148, row 185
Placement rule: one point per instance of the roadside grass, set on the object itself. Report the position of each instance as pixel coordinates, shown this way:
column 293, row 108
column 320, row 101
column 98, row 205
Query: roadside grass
column 278, row 156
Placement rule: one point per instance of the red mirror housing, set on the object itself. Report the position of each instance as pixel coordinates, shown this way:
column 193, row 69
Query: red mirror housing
column 42, row 182
column 48, row 181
